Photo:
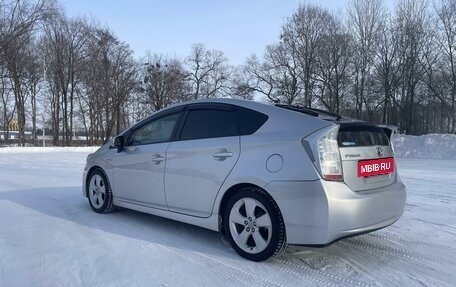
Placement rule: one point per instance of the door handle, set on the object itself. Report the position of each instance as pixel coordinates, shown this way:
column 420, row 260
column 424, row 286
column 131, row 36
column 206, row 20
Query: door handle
column 222, row 155
column 157, row 158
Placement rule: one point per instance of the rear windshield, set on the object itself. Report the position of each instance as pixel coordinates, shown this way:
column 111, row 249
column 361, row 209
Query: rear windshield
column 362, row 136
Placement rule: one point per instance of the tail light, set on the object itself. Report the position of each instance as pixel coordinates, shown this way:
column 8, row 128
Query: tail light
column 329, row 155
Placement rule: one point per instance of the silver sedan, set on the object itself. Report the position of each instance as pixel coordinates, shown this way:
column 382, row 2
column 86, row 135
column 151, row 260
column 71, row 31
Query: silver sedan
column 265, row 175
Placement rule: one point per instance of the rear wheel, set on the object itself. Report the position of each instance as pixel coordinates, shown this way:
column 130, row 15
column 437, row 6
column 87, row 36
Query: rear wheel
column 254, row 225
column 99, row 192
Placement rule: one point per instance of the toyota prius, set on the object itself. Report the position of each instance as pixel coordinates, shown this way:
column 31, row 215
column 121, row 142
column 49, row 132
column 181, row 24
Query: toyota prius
column 265, row 175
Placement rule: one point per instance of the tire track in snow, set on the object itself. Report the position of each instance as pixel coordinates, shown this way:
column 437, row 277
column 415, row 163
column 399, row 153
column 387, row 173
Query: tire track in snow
column 297, row 270
column 369, row 266
column 225, row 269
column 212, row 267
column 420, row 265
column 253, row 279
column 404, row 254
column 260, row 280
column 352, row 259
column 380, row 267
column 398, row 240
column 248, row 278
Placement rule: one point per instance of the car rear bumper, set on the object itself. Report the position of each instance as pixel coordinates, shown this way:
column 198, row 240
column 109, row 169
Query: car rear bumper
column 320, row 212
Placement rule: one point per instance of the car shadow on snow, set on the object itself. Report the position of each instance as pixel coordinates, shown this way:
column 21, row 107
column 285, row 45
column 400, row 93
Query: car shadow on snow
column 67, row 203
column 354, row 262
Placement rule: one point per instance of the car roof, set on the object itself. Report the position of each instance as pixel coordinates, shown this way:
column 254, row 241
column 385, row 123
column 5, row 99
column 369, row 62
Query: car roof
column 269, row 108
column 238, row 102
column 272, row 108
column 281, row 119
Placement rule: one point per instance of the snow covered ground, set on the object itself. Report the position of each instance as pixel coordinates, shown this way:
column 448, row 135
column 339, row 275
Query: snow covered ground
column 431, row 146
column 50, row 237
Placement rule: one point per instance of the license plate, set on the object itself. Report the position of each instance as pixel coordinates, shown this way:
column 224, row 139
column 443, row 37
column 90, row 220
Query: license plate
column 374, row 167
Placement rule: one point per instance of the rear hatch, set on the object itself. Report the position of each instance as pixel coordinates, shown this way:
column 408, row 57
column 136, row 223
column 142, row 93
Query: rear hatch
column 367, row 155
column 356, row 152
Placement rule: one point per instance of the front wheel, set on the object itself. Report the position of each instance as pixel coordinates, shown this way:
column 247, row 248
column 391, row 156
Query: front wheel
column 99, row 192
column 253, row 224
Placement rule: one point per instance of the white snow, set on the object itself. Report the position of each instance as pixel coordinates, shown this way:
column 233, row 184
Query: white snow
column 49, row 236
column 436, row 146
column 38, row 149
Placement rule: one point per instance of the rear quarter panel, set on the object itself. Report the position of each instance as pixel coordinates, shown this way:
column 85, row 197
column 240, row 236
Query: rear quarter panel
column 280, row 137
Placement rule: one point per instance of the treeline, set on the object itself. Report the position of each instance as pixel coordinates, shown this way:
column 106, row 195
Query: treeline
column 70, row 74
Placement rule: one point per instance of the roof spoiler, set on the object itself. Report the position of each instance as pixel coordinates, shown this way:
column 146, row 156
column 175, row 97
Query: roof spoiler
column 385, row 126
column 310, row 111
column 389, row 129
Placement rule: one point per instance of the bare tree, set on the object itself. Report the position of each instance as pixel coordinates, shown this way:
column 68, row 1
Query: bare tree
column 446, row 12
column 164, row 82
column 258, row 78
column 396, row 67
column 18, row 20
column 19, row 17
column 412, row 20
column 334, row 58
column 364, row 20
column 16, row 62
column 63, row 44
column 208, row 72
column 110, row 78
column 241, row 83
column 387, row 67
column 34, row 78
column 301, row 35
column 286, row 73
column 8, row 106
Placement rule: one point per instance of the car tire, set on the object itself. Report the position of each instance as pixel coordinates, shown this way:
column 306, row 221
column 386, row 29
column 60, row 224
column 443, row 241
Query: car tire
column 99, row 192
column 254, row 225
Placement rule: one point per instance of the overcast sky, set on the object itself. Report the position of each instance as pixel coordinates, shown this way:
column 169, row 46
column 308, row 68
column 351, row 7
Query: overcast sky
column 239, row 28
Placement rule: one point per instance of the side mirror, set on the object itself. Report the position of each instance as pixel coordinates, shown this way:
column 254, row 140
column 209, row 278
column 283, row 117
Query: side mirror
column 119, row 143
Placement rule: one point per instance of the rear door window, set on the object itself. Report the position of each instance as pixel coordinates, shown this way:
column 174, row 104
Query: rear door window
column 208, row 123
